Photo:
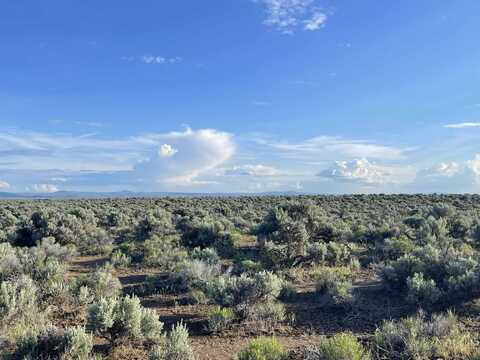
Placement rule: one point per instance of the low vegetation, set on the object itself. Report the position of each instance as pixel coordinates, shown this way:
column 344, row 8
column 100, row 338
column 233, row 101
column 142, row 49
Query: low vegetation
column 311, row 277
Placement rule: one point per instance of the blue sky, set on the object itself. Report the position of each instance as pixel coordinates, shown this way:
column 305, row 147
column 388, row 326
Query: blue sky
column 240, row 96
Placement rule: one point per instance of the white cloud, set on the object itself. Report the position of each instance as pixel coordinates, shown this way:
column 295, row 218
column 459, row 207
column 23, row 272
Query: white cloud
column 287, row 15
column 462, row 125
column 167, row 151
column 365, row 172
column 159, row 60
column 329, row 147
column 59, row 179
column 447, row 169
column 44, row 188
column 172, row 158
column 474, row 165
column 316, row 22
column 253, row 170
column 4, row 184
column 198, row 152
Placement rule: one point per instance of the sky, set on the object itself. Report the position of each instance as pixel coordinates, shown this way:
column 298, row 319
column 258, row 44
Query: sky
column 314, row 96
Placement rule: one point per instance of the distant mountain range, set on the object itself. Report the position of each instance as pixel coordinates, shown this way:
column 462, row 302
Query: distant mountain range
column 127, row 194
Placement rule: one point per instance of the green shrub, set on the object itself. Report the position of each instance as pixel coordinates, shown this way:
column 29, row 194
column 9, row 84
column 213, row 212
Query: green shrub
column 418, row 338
column 339, row 347
column 263, row 349
column 52, row 343
column 267, row 314
column 446, row 273
column 102, row 284
column 337, row 287
column 175, row 347
column 207, row 255
column 164, row 252
column 120, row 260
column 242, row 291
column 21, row 312
column 220, row 318
column 78, row 344
column 124, row 318
column 9, row 262
column 421, row 291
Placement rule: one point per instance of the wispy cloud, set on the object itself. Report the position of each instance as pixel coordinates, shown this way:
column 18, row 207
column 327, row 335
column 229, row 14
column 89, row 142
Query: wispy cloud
column 325, row 147
column 253, row 170
column 289, row 15
column 462, row 125
column 317, row 21
column 261, row 103
column 4, row 185
column 153, row 59
column 150, row 59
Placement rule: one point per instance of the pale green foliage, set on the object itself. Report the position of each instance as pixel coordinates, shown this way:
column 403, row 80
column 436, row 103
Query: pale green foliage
column 267, row 314
column 18, row 300
column 207, row 255
column 422, row 291
column 421, row 339
column 243, row 290
column 101, row 315
column 101, row 284
column 124, row 318
column 120, row 260
column 9, row 263
column 52, row 343
column 339, row 347
column 163, row 252
column 334, row 285
column 78, row 344
column 175, row 347
column 263, row 349
column 220, row 318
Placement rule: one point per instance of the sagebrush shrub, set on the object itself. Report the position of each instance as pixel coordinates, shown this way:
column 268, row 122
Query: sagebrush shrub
column 120, row 260
column 339, row 347
column 220, row 318
column 124, row 318
column 337, row 287
column 175, row 347
column 207, row 255
column 422, row 291
column 419, row 338
column 53, row 343
column 102, row 284
column 263, row 349
column 267, row 314
column 9, row 262
column 164, row 252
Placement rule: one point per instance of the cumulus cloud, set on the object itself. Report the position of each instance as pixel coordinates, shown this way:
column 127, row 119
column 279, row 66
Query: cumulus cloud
column 365, row 172
column 4, row 185
column 44, row 188
column 447, row 169
column 167, row 151
column 474, row 165
column 453, row 177
column 198, row 152
column 142, row 162
column 287, row 15
column 253, row 170
column 462, row 125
